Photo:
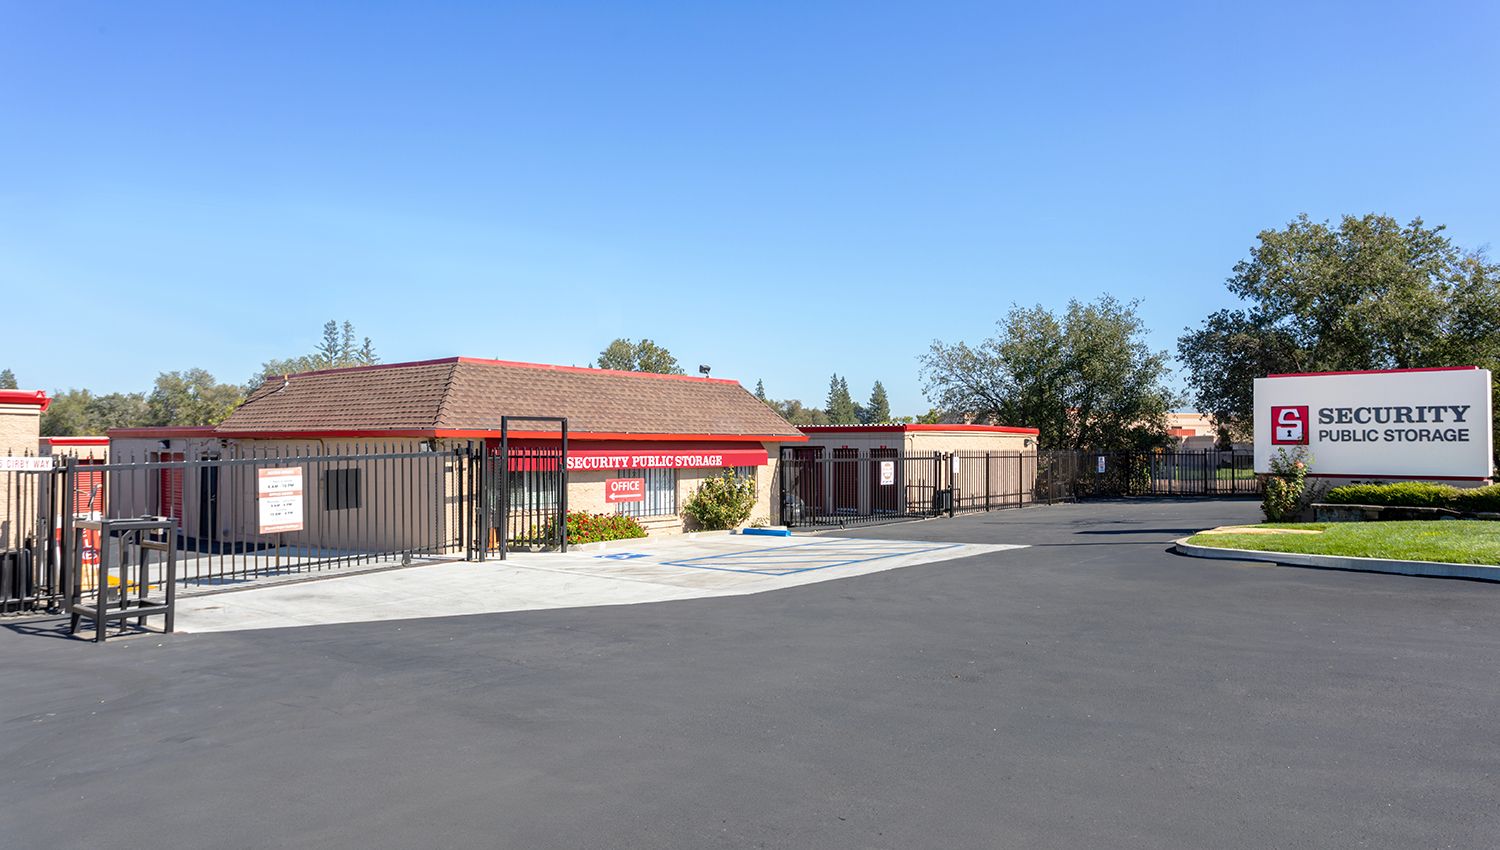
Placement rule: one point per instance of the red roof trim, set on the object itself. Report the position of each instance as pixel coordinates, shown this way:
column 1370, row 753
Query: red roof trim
column 596, row 371
column 1380, row 372
column 77, row 441
column 421, row 433
column 861, row 429
column 598, row 435
column 546, row 366
column 36, row 397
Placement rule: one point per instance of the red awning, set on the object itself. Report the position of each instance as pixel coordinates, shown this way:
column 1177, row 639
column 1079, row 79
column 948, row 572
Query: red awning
column 608, row 455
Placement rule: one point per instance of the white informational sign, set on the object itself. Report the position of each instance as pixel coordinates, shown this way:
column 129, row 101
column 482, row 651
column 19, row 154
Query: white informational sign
column 1101, row 463
column 279, row 493
column 25, row 464
column 887, row 472
column 1415, row 423
column 955, row 464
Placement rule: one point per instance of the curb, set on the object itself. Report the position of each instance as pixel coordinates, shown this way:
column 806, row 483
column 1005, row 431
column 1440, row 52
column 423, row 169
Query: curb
column 1436, row 569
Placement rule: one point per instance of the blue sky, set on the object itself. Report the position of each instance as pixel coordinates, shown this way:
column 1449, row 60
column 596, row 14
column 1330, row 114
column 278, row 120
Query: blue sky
column 780, row 191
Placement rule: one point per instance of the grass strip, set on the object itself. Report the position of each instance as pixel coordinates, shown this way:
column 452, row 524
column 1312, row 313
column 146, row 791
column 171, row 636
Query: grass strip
column 1450, row 542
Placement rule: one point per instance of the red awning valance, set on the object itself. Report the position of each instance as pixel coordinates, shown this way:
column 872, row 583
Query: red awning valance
column 596, row 454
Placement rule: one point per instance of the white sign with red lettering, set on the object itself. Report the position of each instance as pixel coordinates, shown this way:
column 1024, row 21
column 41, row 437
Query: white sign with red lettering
column 887, row 472
column 624, row 490
column 280, row 497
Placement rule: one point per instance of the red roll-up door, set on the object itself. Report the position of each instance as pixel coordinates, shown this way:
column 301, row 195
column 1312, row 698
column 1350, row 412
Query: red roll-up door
column 846, row 481
column 170, row 493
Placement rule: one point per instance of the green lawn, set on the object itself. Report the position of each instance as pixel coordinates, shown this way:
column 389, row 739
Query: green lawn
column 1451, row 542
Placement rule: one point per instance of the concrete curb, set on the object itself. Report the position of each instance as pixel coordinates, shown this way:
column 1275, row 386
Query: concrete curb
column 1343, row 562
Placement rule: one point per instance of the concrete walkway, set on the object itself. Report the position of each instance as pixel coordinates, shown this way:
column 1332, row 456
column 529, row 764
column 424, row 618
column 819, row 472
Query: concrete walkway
column 630, row 572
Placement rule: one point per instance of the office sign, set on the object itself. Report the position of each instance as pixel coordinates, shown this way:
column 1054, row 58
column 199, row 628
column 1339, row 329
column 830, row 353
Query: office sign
column 279, row 494
column 624, row 490
column 1414, row 423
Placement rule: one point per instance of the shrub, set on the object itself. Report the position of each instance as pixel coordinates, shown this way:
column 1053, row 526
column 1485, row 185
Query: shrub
column 584, row 527
column 721, row 502
column 1410, row 494
column 1479, row 499
column 1283, row 492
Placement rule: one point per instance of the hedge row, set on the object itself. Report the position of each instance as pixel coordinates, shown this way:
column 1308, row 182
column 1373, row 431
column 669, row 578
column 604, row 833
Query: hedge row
column 1418, row 494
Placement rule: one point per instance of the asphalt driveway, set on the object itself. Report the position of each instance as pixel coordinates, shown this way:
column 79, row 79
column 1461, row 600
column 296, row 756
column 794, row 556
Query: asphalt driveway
column 1092, row 690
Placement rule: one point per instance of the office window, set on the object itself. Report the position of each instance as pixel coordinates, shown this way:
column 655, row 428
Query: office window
column 341, row 489
column 661, row 493
column 744, row 472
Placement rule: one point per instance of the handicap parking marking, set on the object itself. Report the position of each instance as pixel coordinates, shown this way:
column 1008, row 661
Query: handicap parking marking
column 805, row 557
column 623, row 556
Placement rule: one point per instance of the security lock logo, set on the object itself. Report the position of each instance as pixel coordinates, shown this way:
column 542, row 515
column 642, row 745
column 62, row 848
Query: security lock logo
column 1289, row 426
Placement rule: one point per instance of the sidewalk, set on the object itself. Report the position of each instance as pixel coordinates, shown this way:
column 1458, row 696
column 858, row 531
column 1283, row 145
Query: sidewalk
column 653, row 571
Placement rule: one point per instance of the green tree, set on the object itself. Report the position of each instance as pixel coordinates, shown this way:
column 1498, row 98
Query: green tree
column 643, row 356
column 794, row 413
column 933, row 416
column 337, row 350
column 878, row 411
column 1366, row 294
column 80, row 413
column 1085, row 380
column 841, row 409
column 8, row 380
column 190, row 398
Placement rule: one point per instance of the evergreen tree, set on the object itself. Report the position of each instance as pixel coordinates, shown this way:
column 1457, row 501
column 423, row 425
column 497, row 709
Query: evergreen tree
column 8, row 380
column 878, row 412
column 336, row 351
column 841, row 409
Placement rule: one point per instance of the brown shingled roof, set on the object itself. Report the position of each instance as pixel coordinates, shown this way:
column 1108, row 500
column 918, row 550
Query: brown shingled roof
column 463, row 394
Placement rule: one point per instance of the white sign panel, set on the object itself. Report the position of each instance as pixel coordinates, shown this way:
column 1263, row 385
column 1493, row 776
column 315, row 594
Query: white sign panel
column 1417, row 423
column 1101, row 463
column 887, row 472
column 25, row 464
column 280, row 498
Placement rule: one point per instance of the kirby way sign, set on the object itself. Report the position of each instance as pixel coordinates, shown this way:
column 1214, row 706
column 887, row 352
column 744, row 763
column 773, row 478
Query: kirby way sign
column 1412, row 423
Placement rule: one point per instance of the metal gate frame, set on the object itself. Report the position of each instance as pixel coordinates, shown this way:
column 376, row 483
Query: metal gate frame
column 501, row 466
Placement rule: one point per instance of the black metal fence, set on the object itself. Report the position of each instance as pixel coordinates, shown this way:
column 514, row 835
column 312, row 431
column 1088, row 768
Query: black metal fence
column 341, row 507
column 850, row 486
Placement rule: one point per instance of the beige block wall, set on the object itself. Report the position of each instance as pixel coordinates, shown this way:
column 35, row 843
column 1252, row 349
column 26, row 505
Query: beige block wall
column 19, row 426
column 968, row 441
column 45, row 447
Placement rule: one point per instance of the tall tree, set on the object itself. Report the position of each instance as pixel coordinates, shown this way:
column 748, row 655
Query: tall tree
column 190, row 398
column 1085, row 380
column 840, row 408
column 878, row 411
column 643, row 356
column 8, row 380
column 337, row 350
column 1367, row 294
